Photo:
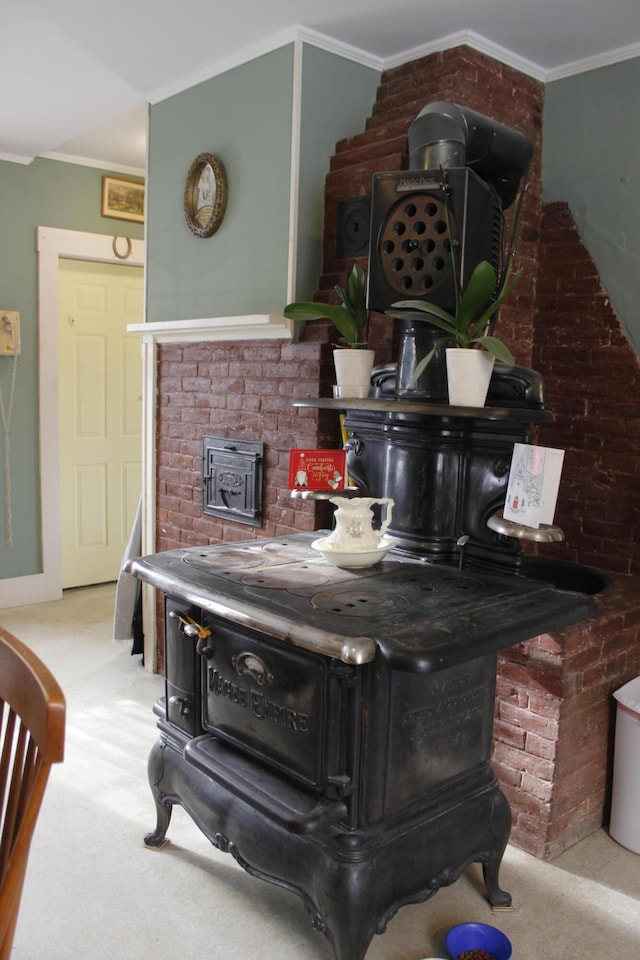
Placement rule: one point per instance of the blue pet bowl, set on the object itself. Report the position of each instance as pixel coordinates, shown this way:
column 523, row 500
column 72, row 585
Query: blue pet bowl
column 478, row 936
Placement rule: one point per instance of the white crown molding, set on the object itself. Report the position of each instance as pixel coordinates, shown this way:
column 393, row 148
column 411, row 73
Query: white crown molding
column 477, row 42
column 345, row 50
column 15, row 158
column 349, row 52
column 461, row 37
column 618, row 55
column 470, row 39
column 246, row 55
column 97, row 164
column 268, row 45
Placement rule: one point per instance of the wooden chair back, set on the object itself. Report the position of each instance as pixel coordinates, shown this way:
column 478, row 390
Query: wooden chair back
column 32, row 726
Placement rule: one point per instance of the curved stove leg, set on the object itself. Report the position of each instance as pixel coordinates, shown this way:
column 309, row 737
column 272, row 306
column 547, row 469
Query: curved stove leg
column 501, row 828
column 497, row 896
column 164, row 805
column 164, row 808
column 348, row 940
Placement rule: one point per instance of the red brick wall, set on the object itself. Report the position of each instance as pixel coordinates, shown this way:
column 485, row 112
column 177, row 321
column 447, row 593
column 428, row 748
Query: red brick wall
column 554, row 710
column 245, row 391
column 593, row 386
column 242, row 390
column 554, row 727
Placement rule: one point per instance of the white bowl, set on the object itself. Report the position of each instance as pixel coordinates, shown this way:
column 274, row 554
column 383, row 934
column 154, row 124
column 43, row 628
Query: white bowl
column 354, row 559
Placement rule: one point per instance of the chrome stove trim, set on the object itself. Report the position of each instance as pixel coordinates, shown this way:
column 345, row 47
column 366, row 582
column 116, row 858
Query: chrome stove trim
column 354, row 651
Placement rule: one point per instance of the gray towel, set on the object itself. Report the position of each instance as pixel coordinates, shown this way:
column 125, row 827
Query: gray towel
column 128, row 587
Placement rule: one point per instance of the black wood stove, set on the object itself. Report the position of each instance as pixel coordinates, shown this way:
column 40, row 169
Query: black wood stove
column 331, row 729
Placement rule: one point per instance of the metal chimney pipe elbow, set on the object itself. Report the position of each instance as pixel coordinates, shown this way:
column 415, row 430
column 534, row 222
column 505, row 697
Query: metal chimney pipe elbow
column 448, row 135
column 438, row 137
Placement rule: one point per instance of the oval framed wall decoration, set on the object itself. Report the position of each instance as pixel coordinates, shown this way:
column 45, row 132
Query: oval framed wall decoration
column 205, row 195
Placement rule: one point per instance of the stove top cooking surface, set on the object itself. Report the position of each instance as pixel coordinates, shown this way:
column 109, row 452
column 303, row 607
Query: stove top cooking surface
column 414, row 614
column 262, row 569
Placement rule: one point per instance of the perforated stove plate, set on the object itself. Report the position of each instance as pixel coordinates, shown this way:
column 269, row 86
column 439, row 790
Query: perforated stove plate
column 272, row 565
column 240, row 556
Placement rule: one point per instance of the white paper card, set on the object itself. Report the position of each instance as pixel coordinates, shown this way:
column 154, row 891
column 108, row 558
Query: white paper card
column 533, row 486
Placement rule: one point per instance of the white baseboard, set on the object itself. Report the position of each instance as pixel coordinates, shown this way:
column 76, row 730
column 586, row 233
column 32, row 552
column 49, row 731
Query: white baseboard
column 23, row 591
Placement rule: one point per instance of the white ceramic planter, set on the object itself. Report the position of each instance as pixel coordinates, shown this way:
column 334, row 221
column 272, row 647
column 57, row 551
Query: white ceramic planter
column 468, row 376
column 353, row 371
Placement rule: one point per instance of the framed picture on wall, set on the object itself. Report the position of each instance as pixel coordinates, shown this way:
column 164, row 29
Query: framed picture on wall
column 123, row 199
column 205, row 195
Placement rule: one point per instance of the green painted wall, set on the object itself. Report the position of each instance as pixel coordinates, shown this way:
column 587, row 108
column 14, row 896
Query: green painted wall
column 52, row 194
column 591, row 150
column 244, row 118
column 336, row 98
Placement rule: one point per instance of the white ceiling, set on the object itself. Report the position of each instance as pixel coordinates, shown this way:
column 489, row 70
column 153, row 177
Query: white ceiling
column 75, row 76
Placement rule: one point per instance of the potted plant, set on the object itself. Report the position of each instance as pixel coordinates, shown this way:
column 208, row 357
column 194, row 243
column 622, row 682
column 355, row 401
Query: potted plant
column 353, row 361
column 466, row 330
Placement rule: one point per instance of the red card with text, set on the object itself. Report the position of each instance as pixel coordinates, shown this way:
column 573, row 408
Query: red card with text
column 317, row 470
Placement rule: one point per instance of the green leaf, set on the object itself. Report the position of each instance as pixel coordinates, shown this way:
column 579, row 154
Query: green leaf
column 344, row 298
column 477, row 295
column 339, row 317
column 346, row 326
column 354, row 297
column 350, row 318
column 497, row 348
column 422, row 366
column 356, row 289
column 410, row 310
column 424, row 363
column 302, row 310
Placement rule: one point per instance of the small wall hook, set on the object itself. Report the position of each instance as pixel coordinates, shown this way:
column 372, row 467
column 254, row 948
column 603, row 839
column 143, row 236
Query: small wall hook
column 122, row 256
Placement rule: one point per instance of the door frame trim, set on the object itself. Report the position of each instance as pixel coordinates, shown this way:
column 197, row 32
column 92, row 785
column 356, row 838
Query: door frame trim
column 52, row 244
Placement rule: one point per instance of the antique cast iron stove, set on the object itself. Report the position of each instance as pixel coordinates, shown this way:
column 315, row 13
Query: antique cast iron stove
column 331, row 729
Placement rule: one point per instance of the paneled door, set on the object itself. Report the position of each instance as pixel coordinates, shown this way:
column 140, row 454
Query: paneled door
column 100, row 389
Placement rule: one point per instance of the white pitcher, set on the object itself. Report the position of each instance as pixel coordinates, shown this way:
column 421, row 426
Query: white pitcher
column 354, row 523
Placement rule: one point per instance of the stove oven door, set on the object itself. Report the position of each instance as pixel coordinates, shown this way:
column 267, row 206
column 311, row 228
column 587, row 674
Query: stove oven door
column 288, row 707
column 182, row 666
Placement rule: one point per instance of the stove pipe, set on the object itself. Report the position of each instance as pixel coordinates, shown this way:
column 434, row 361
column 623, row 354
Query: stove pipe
column 448, row 135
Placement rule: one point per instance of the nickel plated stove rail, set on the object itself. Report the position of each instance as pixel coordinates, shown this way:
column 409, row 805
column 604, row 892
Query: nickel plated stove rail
column 166, row 574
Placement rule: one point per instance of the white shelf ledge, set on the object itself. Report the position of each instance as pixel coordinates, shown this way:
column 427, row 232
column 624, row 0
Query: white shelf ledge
column 262, row 326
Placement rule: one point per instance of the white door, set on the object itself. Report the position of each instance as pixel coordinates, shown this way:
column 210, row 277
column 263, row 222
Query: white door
column 100, row 388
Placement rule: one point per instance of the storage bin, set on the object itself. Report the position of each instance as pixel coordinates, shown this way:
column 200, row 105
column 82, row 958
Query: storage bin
column 625, row 798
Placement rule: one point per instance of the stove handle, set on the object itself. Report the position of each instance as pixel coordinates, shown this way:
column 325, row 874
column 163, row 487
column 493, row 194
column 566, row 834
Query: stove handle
column 183, row 705
column 191, row 628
